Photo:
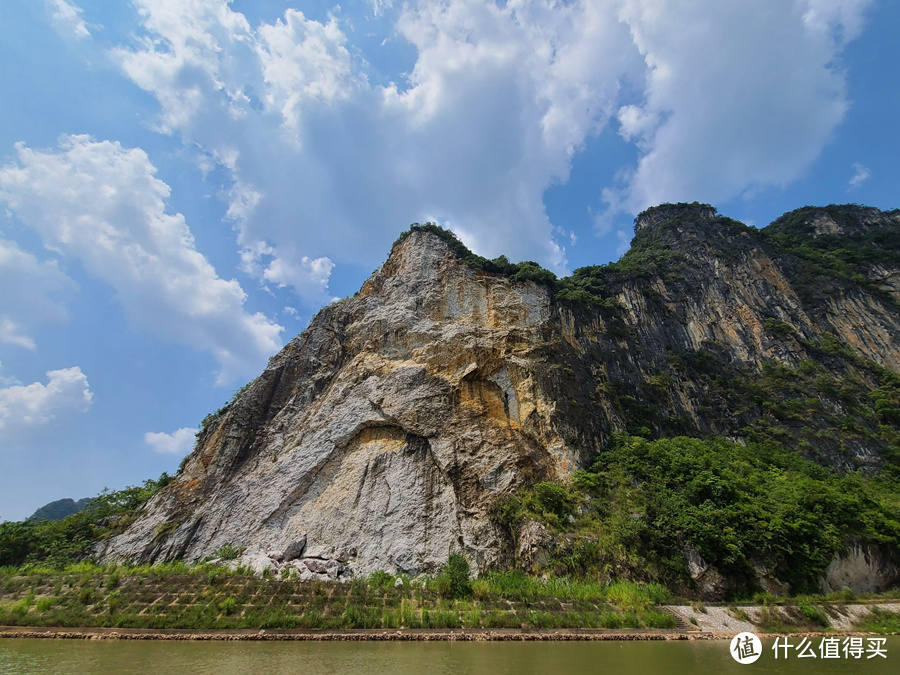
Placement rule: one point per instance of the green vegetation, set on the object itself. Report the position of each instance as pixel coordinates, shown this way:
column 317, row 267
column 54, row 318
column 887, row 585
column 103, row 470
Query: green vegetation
column 180, row 596
column 814, row 408
column 788, row 619
column 453, row 581
column 587, row 285
column 880, row 621
column 228, row 552
column 522, row 271
column 594, row 285
column 823, row 261
column 642, row 501
column 175, row 595
column 58, row 543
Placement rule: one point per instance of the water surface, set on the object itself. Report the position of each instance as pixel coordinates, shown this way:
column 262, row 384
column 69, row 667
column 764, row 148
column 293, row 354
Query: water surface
column 410, row 658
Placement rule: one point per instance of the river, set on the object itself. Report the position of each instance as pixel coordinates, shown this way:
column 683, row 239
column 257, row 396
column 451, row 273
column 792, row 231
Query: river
column 401, row 658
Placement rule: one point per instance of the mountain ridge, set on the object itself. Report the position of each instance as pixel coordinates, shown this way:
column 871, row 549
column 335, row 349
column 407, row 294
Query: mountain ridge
column 385, row 434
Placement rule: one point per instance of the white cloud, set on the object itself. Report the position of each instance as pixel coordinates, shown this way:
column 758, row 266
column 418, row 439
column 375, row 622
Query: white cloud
column 307, row 277
column 13, row 334
column 179, row 442
column 719, row 98
column 379, row 6
column 324, row 162
column 860, row 175
column 66, row 17
column 737, row 95
column 102, row 203
column 35, row 300
column 303, row 61
column 24, row 408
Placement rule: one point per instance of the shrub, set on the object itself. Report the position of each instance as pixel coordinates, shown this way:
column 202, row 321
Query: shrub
column 228, row 552
column 453, row 580
column 554, row 498
column 814, row 614
column 381, row 580
column 227, row 606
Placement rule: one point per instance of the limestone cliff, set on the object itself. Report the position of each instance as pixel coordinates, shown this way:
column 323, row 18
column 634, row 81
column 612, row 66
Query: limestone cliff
column 382, row 436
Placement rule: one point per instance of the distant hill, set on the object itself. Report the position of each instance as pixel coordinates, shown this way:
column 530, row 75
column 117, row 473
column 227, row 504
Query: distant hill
column 59, row 509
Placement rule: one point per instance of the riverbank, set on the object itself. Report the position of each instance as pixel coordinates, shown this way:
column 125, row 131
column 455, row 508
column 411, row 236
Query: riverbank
column 213, row 597
column 177, row 600
column 500, row 635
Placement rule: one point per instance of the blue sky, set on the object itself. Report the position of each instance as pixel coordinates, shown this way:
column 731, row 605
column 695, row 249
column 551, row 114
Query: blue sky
column 184, row 183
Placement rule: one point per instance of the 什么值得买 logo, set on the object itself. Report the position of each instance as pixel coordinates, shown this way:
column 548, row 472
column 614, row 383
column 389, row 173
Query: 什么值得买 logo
column 745, row 648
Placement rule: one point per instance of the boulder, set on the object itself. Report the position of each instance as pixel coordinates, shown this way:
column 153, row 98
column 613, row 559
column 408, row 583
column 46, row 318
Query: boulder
column 295, row 549
column 315, row 565
column 257, row 561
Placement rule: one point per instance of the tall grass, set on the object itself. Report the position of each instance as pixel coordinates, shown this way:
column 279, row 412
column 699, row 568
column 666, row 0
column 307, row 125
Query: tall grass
column 517, row 586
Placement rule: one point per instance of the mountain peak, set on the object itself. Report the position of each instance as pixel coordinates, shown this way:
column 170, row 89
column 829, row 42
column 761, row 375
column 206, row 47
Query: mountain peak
column 663, row 214
column 834, row 219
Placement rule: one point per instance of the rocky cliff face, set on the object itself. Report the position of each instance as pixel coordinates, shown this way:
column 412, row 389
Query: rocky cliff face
column 381, row 437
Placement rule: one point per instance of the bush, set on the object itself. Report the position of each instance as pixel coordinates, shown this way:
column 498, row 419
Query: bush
column 381, row 580
column 44, row 604
column 814, row 614
column 228, row 552
column 227, row 606
column 554, row 498
column 453, row 580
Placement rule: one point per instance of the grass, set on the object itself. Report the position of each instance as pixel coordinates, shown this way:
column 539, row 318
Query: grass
column 516, row 586
column 176, row 595
column 803, row 616
column 880, row 621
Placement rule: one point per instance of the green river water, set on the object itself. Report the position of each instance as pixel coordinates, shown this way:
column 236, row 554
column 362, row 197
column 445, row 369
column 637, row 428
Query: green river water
column 459, row 658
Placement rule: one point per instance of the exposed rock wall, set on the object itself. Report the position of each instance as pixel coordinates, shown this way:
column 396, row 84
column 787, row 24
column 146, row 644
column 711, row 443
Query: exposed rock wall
column 382, row 435
column 862, row 569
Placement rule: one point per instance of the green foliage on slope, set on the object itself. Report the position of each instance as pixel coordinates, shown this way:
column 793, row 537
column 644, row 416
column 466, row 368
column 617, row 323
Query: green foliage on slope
column 845, row 257
column 826, row 407
column 587, row 285
column 69, row 540
column 643, row 501
column 824, row 260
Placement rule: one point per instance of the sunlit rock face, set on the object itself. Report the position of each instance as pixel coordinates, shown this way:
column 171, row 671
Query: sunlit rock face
column 383, row 435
